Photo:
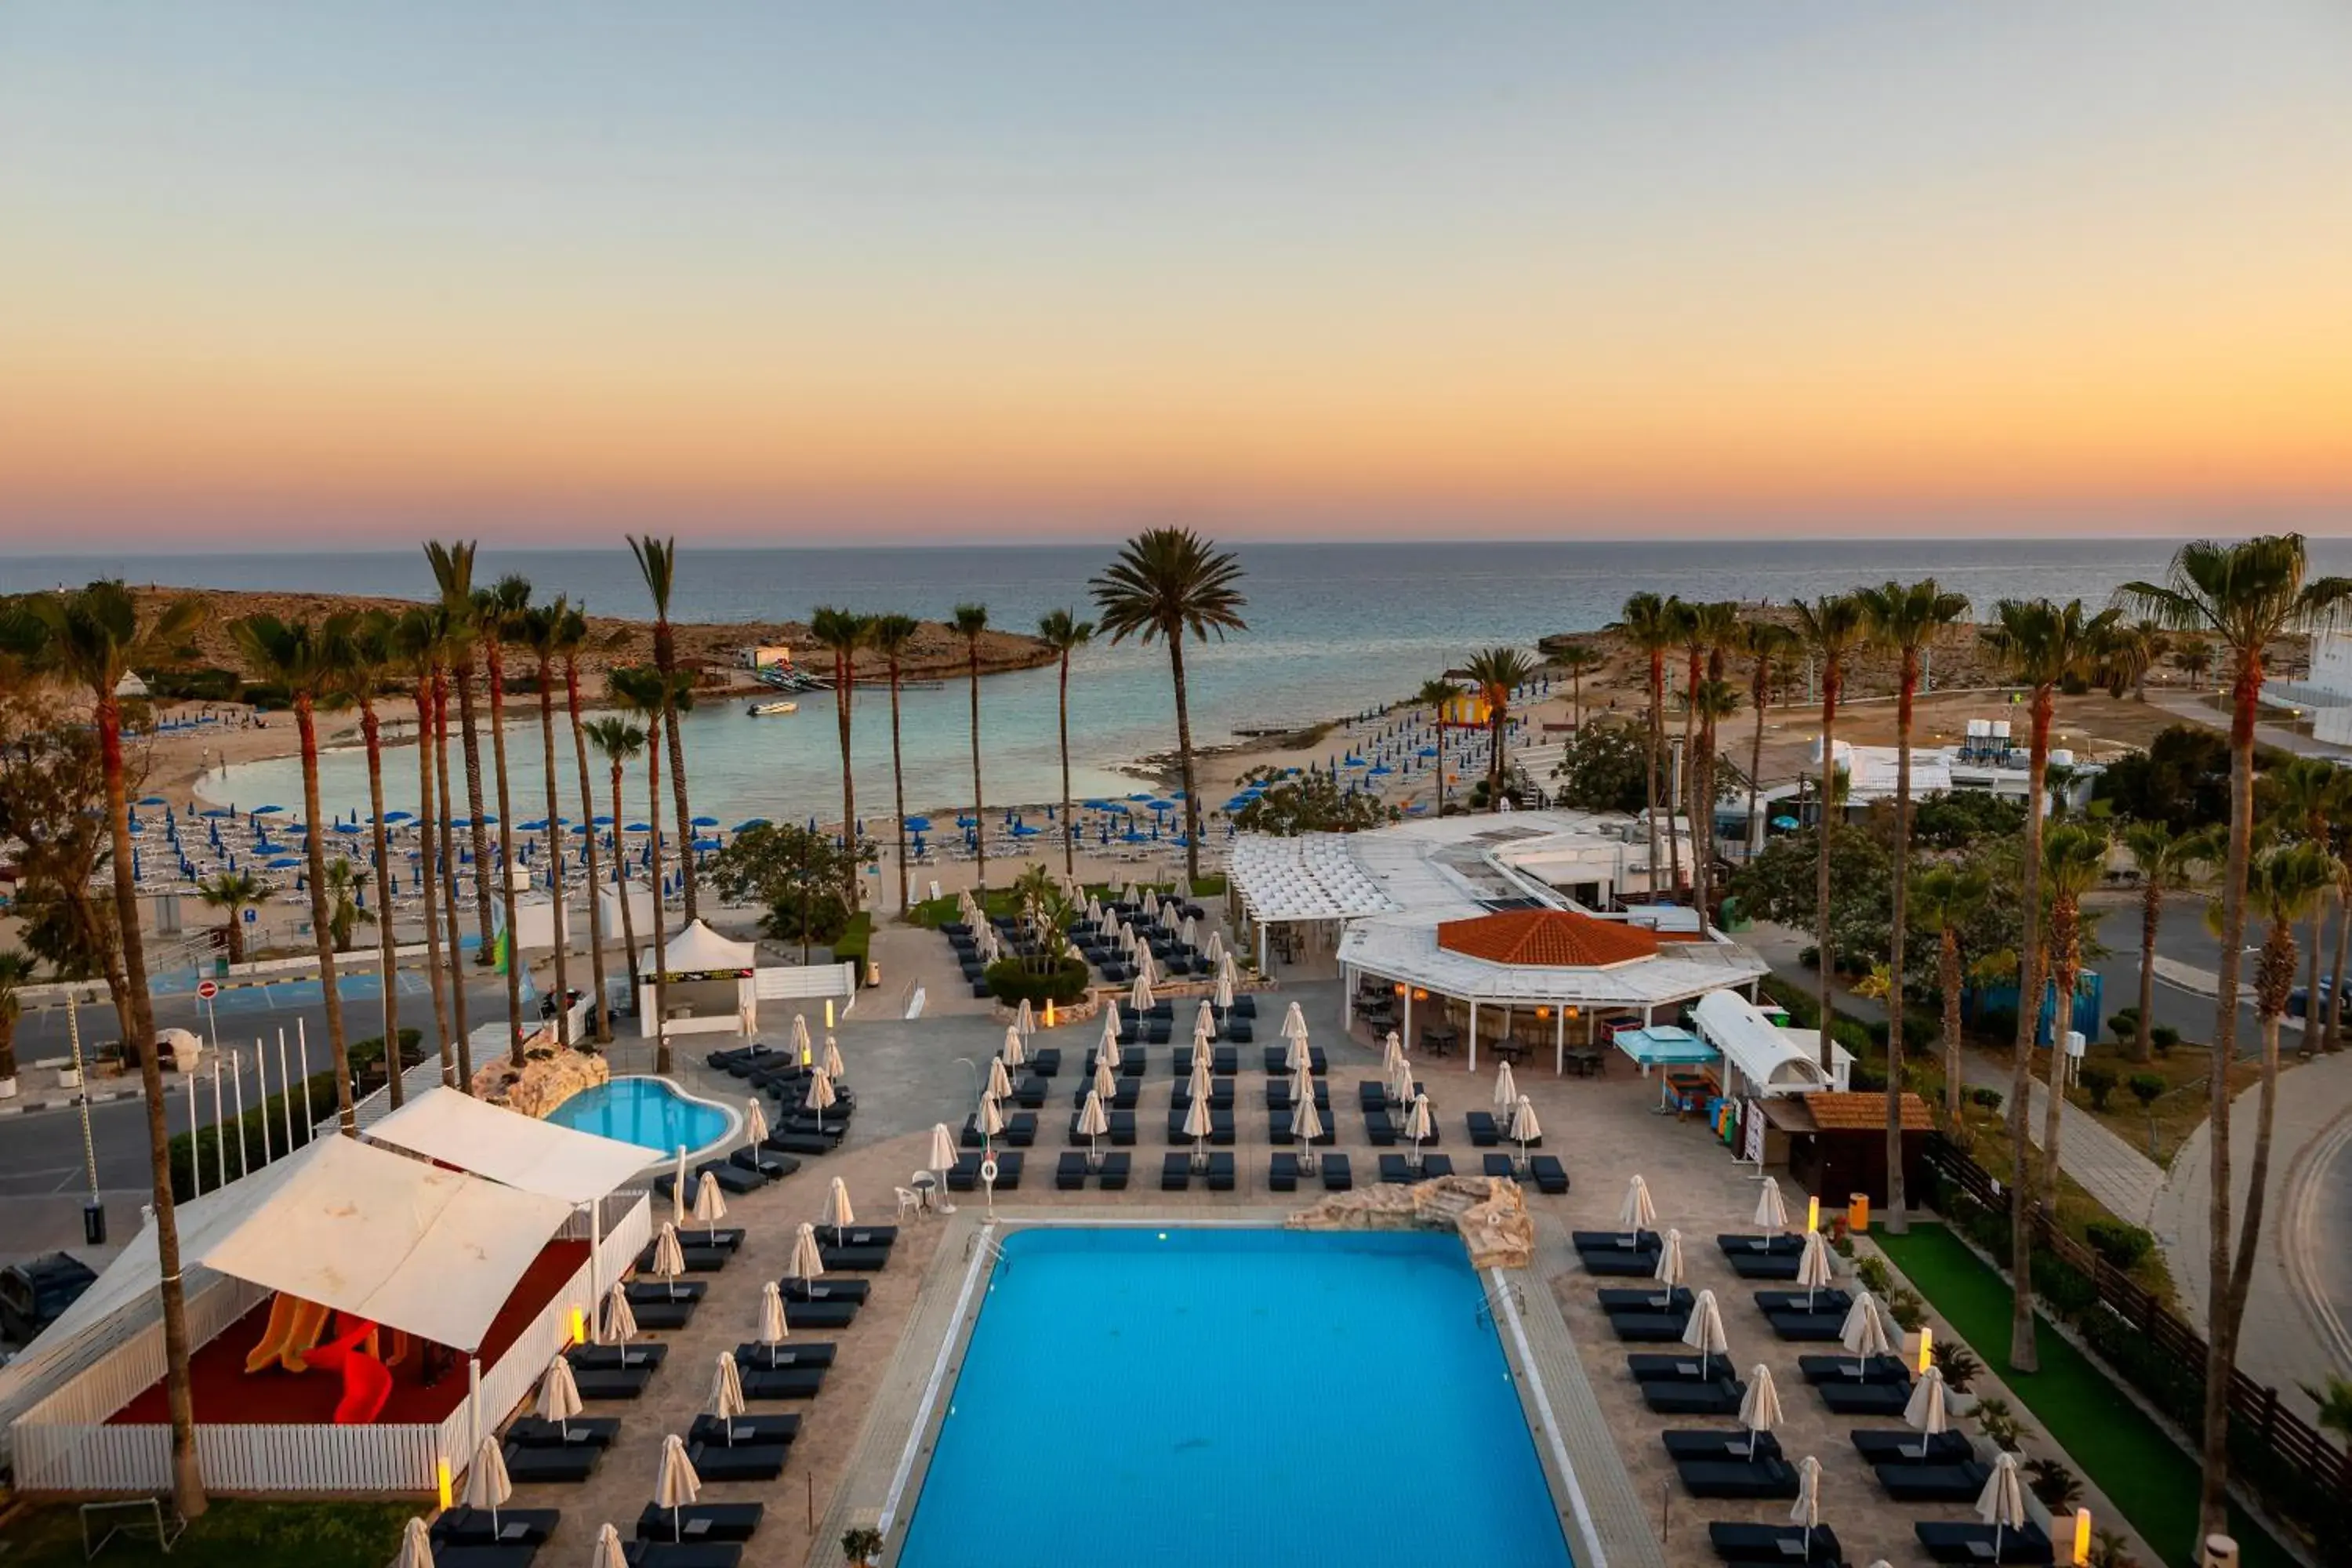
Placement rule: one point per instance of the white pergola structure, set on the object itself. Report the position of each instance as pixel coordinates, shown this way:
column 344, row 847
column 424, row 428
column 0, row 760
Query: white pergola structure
column 1556, row 965
column 1312, row 879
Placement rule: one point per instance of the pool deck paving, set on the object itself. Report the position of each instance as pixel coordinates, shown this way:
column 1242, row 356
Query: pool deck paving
column 844, row 1468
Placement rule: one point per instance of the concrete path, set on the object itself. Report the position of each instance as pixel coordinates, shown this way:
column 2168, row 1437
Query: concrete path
column 2110, row 1170
column 2182, row 705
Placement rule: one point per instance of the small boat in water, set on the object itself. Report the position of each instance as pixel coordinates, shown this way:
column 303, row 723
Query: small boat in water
column 765, row 709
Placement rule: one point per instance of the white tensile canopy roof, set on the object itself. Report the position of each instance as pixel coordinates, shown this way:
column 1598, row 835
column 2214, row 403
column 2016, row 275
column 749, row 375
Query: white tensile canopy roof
column 698, row 950
column 1311, row 876
column 1764, row 1054
column 513, row 1150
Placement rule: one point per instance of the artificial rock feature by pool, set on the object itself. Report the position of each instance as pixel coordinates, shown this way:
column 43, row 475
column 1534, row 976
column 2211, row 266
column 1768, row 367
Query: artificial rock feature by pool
column 1235, row 1395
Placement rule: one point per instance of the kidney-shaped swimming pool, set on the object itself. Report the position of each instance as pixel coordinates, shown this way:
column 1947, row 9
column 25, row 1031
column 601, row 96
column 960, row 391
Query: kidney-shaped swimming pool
column 646, row 1111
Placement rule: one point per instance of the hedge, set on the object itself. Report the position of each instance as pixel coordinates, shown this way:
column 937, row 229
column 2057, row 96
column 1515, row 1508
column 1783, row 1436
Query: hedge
column 269, row 1115
column 855, row 942
column 1010, row 980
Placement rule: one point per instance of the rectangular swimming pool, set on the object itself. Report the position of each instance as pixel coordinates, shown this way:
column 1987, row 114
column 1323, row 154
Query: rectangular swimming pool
column 1235, row 1397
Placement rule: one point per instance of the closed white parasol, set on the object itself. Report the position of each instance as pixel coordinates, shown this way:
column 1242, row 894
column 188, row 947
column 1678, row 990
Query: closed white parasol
column 709, row 1207
column 1926, row 1411
column 487, row 1487
column 726, row 1393
column 669, row 1258
column 1013, row 1051
column 1093, row 1121
column 1669, row 1271
column 755, row 1123
column 2002, row 1504
column 1759, row 1407
column 676, row 1486
column 558, row 1394
column 609, row 1552
column 1506, row 1089
column 807, row 1260
column 1524, row 1127
column 833, row 1068
column 1637, row 1212
column 772, row 1329
column 415, row 1545
column 1814, row 1266
column 1865, row 1331
column 618, row 1325
column 1772, row 1213
column 820, row 1095
column 1704, row 1331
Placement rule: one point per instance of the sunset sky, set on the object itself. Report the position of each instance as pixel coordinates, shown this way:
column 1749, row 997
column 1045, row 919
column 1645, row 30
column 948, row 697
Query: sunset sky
column 857, row 272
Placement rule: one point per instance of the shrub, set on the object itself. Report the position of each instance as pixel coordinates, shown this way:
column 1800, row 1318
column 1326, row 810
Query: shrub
column 264, row 1137
column 1991, row 1099
column 1958, row 1363
column 1875, row 1277
column 1999, row 1424
column 266, row 697
column 855, row 942
column 2125, row 1026
column 1011, row 981
column 861, row 1545
column 1920, row 1031
column 2162, row 1037
column 2120, row 1244
column 2098, row 1083
column 1865, row 1079
column 1997, row 1023
column 2057, row 1486
column 2145, row 1087
column 1904, row 1306
column 369, row 1052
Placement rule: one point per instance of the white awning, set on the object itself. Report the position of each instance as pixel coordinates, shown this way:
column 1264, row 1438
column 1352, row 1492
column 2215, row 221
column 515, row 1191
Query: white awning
column 511, row 1149
column 1762, row 1053
column 698, row 950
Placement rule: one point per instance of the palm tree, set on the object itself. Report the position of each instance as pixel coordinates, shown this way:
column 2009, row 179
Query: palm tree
column 1771, row 646
column 658, row 564
column 1577, row 659
column 2043, row 646
column 1648, row 621
column 1832, row 627
column 2133, row 649
column 2241, row 596
column 970, row 621
column 2166, row 860
column 1692, row 643
column 842, row 633
column 499, row 614
column 1497, row 672
column 2074, row 860
column 1713, row 701
column 346, row 903
column 89, row 640
column 304, row 659
column 364, row 657
column 236, row 891
column 453, row 575
column 2196, row 661
column 647, row 692
column 16, row 973
column 1062, row 631
column 451, row 647
column 1435, row 695
column 1718, row 626
column 570, row 636
column 1164, row 583
column 2334, row 1403
column 2306, row 796
column 1949, row 896
column 417, row 646
column 617, row 741
column 541, row 627
column 890, row 637
column 1903, row 619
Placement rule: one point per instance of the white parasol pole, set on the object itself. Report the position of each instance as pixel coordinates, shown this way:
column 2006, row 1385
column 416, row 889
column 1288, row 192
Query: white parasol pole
column 303, row 1043
column 285, row 1092
column 236, row 1082
column 220, row 1134
column 261, row 1092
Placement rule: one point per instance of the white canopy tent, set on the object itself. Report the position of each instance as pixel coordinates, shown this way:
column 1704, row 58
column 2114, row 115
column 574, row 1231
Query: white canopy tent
column 713, row 983
column 519, row 1152
column 1759, row 1058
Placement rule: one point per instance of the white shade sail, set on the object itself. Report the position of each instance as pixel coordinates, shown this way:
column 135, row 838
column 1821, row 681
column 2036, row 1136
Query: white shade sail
column 513, row 1150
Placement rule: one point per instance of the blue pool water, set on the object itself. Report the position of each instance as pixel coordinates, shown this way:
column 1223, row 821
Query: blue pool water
column 1236, row 1398
column 645, row 1111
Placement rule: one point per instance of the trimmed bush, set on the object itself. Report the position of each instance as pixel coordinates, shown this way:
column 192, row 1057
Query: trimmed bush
column 2125, row 1026
column 2147, row 1087
column 1011, row 981
column 855, row 944
column 2120, row 1244
column 1991, row 1099
column 2162, row 1037
column 2098, row 1083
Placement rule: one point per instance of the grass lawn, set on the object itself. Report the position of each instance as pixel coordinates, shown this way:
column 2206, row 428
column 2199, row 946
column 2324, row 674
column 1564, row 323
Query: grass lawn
column 2110, row 1439
column 231, row 1534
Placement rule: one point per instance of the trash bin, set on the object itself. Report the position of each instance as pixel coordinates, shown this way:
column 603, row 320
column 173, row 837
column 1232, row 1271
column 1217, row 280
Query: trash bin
column 2220, row 1552
column 1857, row 1213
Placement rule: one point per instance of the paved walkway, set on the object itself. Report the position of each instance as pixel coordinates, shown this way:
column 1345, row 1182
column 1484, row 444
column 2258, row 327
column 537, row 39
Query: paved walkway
column 2182, row 705
column 2110, row 1170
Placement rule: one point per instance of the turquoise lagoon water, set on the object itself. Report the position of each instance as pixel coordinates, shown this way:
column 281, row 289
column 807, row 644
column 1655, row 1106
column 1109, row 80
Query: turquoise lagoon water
column 645, row 1111
column 1241, row 1398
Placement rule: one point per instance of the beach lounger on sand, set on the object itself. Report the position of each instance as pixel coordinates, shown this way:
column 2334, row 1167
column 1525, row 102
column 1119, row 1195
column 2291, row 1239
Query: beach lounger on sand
column 1682, row 1397
column 700, row 1521
column 1378, row 1130
column 1649, row 1328
column 1807, row 1326
column 1659, row 1299
column 1771, row 1302
column 800, row 1143
column 463, row 1526
column 484, row 1556
column 1708, row 1444
column 1764, row 1543
column 822, row 1289
column 1221, row 1173
column 1115, row 1168
column 1849, row 1398
column 1973, row 1543
column 1617, row 1264
column 1175, row 1173
column 1070, row 1170
column 646, row 1292
column 883, row 1236
column 1435, row 1165
column 1933, row 1483
column 772, row 1429
column 1395, row 1169
column 1337, row 1176
column 1760, row 1479
column 1647, row 1241
column 672, row 1554
column 616, row 1358
column 1548, row 1174
column 1046, row 1063
column 780, row 1383
column 768, row 1164
column 1763, row 1265
column 661, row 1317
column 1483, row 1131
column 553, row 1466
column 1902, row 1446
column 1499, row 1166
column 1686, row 1366
column 1760, row 1246
column 792, row 1353
column 1282, row 1173
column 819, row 1314
column 854, row 1259
column 737, row 1461
column 612, row 1383
column 581, row 1431
column 1854, row 1369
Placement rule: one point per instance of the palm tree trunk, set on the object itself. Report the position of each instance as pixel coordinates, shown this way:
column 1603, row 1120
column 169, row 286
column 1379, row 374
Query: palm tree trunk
column 661, row 943
column 2022, row 1354
column 1948, row 979
column 1069, row 845
column 330, row 1000
column 428, row 840
column 386, row 946
column 2053, row 1112
column 1657, row 744
column 1575, row 698
column 1897, row 1220
column 588, row 831
column 1441, row 759
column 497, row 681
column 187, row 1475
column 2311, row 1020
column 555, row 863
column 1823, row 948
column 469, row 732
column 235, row 934
column 2221, row 1341
column 2334, row 1038
column 979, row 815
column 449, row 882
column 621, row 884
column 1185, row 761
column 899, row 783
column 1756, row 694
column 1496, row 718
column 2151, row 915
column 843, row 690
column 666, row 660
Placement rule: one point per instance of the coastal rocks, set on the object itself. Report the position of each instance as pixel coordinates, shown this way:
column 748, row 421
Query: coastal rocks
column 546, row 1081
column 1489, row 1212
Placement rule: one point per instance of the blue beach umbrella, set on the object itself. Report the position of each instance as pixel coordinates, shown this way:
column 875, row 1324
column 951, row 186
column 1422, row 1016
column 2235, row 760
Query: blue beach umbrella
column 283, row 863
column 917, row 824
column 705, row 820
column 153, row 800
column 268, row 810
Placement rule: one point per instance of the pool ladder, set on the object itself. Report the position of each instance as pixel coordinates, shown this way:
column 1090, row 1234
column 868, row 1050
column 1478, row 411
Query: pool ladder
column 1491, row 1304
column 986, row 1245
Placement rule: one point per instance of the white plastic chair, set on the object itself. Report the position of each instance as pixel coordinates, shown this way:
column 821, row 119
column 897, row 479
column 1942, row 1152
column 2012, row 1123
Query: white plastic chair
column 909, row 1202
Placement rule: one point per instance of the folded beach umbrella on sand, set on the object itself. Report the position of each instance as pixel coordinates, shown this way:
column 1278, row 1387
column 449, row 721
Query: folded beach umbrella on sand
column 837, row 1212
column 709, row 1207
column 1000, row 1082
column 990, row 1119
column 1204, row 1018
column 726, row 1393
column 755, row 1123
column 1294, row 1024
column 1865, row 1331
column 771, row 1329
column 416, row 1545
column 1392, row 1052
column 800, row 1032
column 558, row 1394
column 1807, row 1509
column 1417, row 1123
column 1198, row 1124
column 609, row 1551
column 1139, row 998
column 1637, row 1213
column 1401, row 1090
column 807, row 1260
column 1669, row 1271
column 1703, row 1331
column 681, row 1190
column 676, row 1486
column 619, row 1325
column 1770, row 1212
column 1110, row 1020
column 820, row 1095
column 1105, row 1081
column 1759, row 1407
column 833, row 1068
column 943, row 1150
column 1302, row 1079
column 487, row 1486
column 1524, row 1126
column 1197, row 1083
column 1306, row 1122
column 1814, row 1266
column 1014, row 1053
column 1093, row 1121
column 2002, row 1504
column 670, row 1258
column 1926, row 1411
column 1507, row 1088
column 1297, row 1056
column 1024, row 1021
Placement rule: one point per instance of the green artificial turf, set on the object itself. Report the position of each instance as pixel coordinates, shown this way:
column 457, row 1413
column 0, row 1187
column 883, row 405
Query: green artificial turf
column 230, row 1534
column 2110, row 1439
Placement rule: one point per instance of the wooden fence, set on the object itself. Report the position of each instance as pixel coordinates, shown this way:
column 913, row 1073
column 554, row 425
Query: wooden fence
column 2286, row 1439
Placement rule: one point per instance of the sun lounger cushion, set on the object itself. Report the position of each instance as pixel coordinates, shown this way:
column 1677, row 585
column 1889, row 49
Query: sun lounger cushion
column 1657, row 1299
column 780, row 1381
column 675, row 1555
column 1760, row 1246
column 1378, row 1130
column 1548, row 1174
column 1221, row 1173
column 1973, row 1542
column 1865, row 1398
column 701, row 1522
column 819, row 1314
column 1824, row 1327
column 644, row 1292
column 1499, row 1166
column 801, row 1143
column 1902, row 1446
column 615, row 1358
column 1933, row 1483
column 1483, row 1133
column 1770, row 1302
column 1619, row 1265
column 1738, row 1478
column 737, row 1461
column 663, row 1317
column 1338, row 1177
column 580, row 1432
column 822, row 1289
column 1844, row 1369
column 1282, row 1173
column 792, row 1353
column 1647, row 1241
column 774, row 1427
column 854, row 1259
column 1682, row 1397
column 1764, row 1542
column 1763, row 1265
column 557, row 1467
column 1709, row 1445
column 1175, row 1173
column 775, row 1167
column 882, row 1236
column 618, row 1383
column 1435, row 1165
column 1649, row 1328
column 1687, row 1365
column 1115, row 1168
column 463, row 1526
column 1070, row 1170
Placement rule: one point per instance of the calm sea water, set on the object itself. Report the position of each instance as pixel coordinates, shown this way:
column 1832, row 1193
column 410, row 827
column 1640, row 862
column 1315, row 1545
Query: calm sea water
column 1334, row 628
